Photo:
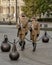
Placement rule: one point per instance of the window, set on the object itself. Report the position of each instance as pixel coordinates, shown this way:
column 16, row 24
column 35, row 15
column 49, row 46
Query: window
column 3, row 0
column 1, row 9
column 12, row 0
column 12, row 9
column 0, row 1
column 8, row 10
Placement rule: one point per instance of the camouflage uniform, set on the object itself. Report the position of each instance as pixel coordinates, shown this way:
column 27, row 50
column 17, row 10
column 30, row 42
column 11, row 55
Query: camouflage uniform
column 34, row 32
column 23, row 30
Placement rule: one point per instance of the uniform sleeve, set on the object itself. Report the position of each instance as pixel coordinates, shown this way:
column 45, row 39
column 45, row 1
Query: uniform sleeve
column 38, row 28
column 27, row 25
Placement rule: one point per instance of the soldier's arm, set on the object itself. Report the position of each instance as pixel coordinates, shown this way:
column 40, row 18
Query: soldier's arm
column 18, row 27
column 38, row 28
column 30, row 26
column 27, row 26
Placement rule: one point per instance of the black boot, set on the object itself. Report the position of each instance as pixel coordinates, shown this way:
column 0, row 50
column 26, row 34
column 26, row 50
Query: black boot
column 34, row 47
column 20, row 43
column 23, row 46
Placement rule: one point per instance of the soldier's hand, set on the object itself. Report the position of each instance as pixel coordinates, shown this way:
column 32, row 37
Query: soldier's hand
column 30, row 29
column 37, row 35
column 19, row 28
column 26, row 33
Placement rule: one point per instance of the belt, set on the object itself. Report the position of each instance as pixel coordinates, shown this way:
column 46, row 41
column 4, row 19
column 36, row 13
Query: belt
column 24, row 27
column 35, row 28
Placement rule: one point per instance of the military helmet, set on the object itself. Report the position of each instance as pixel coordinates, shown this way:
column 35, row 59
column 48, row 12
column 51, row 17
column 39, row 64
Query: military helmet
column 23, row 15
column 33, row 18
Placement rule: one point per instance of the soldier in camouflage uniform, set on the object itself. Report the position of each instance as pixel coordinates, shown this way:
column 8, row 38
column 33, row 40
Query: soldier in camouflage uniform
column 34, row 32
column 22, row 30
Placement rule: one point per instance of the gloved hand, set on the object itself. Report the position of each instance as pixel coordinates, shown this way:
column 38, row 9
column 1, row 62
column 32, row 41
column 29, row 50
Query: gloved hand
column 30, row 29
column 26, row 33
column 19, row 28
column 37, row 35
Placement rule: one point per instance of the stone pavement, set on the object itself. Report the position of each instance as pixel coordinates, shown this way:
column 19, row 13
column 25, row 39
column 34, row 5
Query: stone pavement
column 42, row 55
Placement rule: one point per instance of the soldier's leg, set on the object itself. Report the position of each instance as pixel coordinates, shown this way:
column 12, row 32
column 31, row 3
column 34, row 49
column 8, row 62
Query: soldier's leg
column 30, row 35
column 20, row 42
column 18, row 32
column 23, row 43
column 34, row 43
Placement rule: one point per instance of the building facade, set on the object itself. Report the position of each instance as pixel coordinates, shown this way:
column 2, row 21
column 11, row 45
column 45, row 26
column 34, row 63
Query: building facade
column 8, row 10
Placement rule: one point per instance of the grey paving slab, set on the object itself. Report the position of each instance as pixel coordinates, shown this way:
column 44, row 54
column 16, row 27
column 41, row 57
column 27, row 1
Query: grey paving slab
column 42, row 56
